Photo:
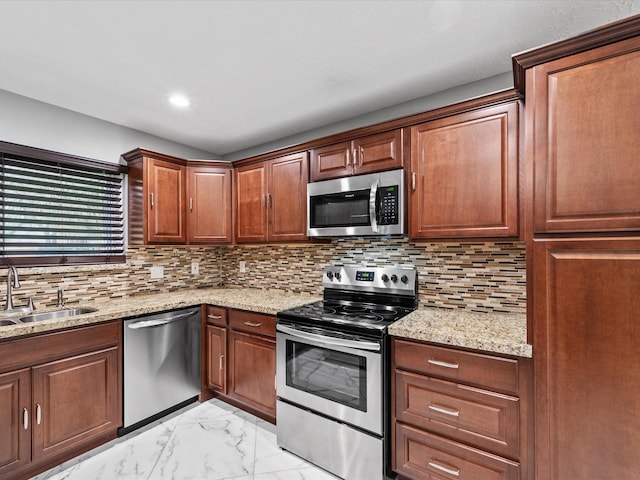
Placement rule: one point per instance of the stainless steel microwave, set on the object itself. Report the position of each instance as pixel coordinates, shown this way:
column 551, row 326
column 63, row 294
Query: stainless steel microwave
column 371, row 204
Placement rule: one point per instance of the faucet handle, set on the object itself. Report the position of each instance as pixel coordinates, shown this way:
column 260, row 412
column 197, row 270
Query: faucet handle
column 60, row 297
column 31, row 306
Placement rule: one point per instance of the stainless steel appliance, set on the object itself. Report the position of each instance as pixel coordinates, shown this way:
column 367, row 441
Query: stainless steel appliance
column 371, row 204
column 332, row 370
column 161, row 364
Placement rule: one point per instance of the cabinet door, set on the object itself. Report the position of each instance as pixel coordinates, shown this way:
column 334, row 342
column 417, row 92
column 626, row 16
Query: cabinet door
column 378, row 152
column 166, row 194
column 332, row 161
column 217, row 358
column 251, row 203
column 586, row 333
column 209, row 205
column 287, row 201
column 465, row 175
column 586, row 140
column 75, row 400
column 15, row 420
column 253, row 371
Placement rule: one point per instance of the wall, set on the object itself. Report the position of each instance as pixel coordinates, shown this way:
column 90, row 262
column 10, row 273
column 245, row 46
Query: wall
column 37, row 124
column 468, row 91
column 484, row 276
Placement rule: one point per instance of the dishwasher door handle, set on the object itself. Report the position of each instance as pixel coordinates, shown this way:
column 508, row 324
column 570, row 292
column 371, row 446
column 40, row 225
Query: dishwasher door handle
column 159, row 321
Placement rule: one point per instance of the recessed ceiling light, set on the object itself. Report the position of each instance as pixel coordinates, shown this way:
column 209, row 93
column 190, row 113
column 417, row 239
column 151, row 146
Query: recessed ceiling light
column 179, row 100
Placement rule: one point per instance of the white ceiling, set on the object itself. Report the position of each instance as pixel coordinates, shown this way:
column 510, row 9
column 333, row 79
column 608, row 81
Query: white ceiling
column 257, row 71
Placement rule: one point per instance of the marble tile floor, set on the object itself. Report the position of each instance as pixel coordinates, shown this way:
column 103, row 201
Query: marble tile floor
column 207, row 441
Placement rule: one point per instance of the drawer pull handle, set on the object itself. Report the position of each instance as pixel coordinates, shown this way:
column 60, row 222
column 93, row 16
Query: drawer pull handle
column 214, row 317
column 451, row 471
column 38, row 414
column 447, row 411
column 25, row 418
column 440, row 363
column 221, row 360
column 251, row 324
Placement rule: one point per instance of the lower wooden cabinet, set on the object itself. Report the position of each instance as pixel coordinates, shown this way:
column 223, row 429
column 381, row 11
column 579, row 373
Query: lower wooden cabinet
column 60, row 395
column 253, row 370
column 459, row 414
column 217, row 358
column 423, row 455
column 241, row 359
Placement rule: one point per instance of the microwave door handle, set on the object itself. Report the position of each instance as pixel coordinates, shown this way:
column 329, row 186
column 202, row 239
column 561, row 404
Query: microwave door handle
column 373, row 197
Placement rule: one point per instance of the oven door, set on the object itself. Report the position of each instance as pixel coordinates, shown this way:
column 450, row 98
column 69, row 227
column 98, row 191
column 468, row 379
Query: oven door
column 332, row 373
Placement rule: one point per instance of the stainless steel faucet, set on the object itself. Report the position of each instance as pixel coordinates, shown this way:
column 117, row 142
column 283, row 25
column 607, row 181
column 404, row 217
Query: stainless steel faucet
column 16, row 284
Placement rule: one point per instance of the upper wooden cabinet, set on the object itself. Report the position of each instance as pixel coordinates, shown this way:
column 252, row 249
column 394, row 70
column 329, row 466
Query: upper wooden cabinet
column 209, row 205
column 464, row 175
column 583, row 141
column 372, row 153
column 271, row 200
column 172, row 201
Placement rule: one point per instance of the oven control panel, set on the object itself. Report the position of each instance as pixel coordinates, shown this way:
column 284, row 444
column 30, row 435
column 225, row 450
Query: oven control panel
column 401, row 280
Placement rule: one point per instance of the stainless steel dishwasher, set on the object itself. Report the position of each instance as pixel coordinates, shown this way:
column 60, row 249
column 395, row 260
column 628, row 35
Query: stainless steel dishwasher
column 161, row 364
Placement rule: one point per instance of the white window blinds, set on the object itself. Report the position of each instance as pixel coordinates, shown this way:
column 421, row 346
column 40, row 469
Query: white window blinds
column 52, row 212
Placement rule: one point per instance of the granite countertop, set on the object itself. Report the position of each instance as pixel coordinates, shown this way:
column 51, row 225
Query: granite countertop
column 490, row 332
column 255, row 300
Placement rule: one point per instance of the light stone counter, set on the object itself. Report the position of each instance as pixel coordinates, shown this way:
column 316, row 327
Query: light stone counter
column 491, row 332
column 255, row 300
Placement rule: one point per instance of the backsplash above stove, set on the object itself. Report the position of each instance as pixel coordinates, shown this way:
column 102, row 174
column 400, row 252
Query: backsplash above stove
column 478, row 276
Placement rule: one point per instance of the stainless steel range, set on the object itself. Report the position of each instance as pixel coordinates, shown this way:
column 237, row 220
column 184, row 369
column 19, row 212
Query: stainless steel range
column 332, row 368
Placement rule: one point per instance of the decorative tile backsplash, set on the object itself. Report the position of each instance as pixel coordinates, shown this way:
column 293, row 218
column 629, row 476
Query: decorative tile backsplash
column 478, row 276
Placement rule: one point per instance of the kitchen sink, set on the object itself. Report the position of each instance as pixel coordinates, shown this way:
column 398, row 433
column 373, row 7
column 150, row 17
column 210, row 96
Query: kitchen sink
column 6, row 323
column 70, row 312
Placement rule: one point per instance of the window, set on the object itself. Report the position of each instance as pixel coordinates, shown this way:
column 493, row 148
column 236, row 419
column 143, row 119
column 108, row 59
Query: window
column 59, row 209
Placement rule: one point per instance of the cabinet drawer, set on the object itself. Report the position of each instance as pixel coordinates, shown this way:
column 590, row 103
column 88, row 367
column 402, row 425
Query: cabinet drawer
column 251, row 322
column 216, row 316
column 475, row 368
column 481, row 418
column 424, row 456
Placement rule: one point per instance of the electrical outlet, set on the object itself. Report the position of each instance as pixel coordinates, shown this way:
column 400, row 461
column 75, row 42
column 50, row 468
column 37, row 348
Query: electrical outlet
column 157, row 272
column 243, row 266
column 195, row 268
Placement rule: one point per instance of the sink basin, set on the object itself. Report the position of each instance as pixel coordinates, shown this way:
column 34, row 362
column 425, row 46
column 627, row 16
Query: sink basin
column 70, row 312
column 5, row 323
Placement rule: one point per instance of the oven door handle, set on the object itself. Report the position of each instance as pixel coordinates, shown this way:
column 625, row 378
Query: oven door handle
column 336, row 342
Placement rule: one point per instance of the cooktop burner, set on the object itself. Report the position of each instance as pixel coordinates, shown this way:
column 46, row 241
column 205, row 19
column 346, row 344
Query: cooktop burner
column 359, row 299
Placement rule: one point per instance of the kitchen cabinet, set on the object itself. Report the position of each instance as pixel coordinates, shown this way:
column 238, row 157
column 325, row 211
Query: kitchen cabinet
column 458, row 414
column 15, row 405
column 584, row 140
column 464, row 175
column 209, row 204
column 372, row 153
column 216, row 345
column 581, row 162
column 271, row 200
column 61, row 396
column 157, row 186
column 241, row 359
column 586, row 358
column 252, row 361
column 173, row 201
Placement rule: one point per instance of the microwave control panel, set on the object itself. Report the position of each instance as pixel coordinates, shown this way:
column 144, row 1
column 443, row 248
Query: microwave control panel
column 388, row 205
